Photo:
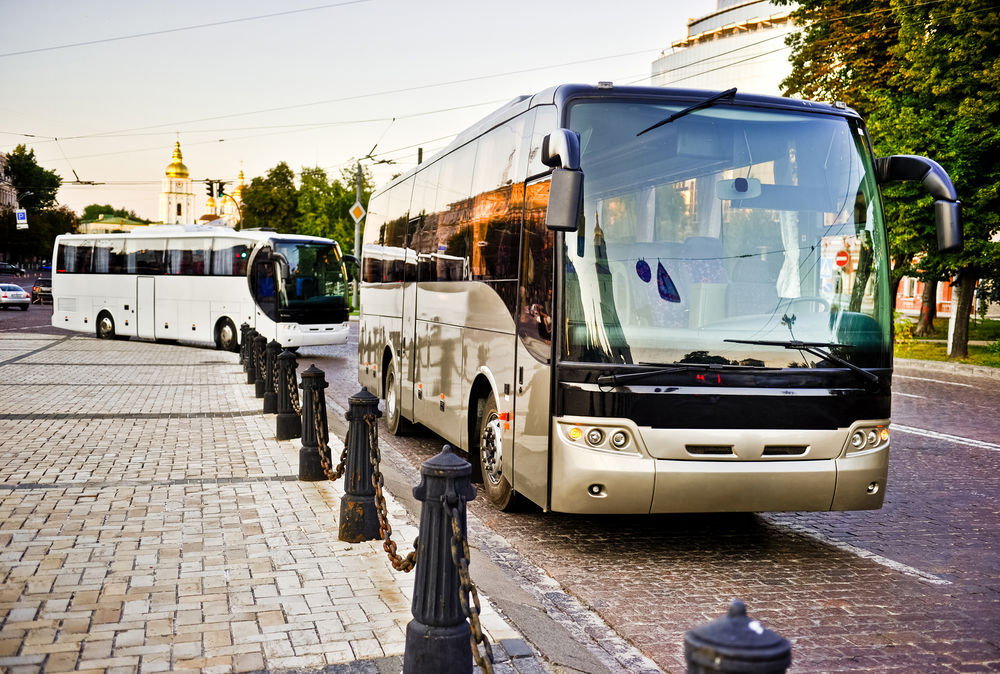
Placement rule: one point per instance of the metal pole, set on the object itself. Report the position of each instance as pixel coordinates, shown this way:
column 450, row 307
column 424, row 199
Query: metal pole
column 357, row 244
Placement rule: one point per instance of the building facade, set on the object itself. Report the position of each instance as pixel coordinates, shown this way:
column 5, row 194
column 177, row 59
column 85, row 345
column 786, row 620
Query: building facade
column 741, row 44
column 8, row 194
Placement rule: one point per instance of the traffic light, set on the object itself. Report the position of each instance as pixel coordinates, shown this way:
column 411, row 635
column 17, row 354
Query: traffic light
column 222, row 188
column 210, row 188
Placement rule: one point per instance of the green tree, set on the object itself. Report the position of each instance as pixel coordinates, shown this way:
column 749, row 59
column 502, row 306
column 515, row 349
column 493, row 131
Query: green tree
column 37, row 241
column 92, row 211
column 36, row 187
column 927, row 75
column 271, row 201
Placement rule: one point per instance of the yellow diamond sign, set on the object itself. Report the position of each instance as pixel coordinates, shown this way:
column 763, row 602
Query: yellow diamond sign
column 357, row 212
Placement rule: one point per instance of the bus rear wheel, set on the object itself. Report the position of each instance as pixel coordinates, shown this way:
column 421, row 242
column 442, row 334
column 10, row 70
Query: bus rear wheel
column 226, row 337
column 105, row 326
column 490, row 451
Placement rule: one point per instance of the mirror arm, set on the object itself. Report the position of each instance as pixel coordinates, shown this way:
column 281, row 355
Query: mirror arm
column 905, row 167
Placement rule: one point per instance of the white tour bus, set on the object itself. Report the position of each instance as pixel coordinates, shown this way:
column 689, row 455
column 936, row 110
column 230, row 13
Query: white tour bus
column 634, row 300
column 198, row 283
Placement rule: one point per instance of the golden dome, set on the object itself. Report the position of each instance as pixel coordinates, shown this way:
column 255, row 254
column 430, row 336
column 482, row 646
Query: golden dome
column 176, row 168
column 210, row 204
column 237, row 193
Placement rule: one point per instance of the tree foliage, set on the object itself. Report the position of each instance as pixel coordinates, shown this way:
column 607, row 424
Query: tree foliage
column 36, row 187
column 927, row 76
column 271, row 201
column 93, row 211
column 321, row 205
column 43, row 228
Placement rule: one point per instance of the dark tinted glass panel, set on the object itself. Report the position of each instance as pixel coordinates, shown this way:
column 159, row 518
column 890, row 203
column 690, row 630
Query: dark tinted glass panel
column 545, row 123
column 145, row 256
column 109, row 257
column 74, row 257
column 187, row 256
column 230, row 257
column 424, row 223
column 396, row 236
column 454, row 215
column 374, row 238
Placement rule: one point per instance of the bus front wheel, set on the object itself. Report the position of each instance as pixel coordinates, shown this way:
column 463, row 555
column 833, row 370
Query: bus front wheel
column 226, row 337
column 105, row 326
column 490, row 436
column 394, row 420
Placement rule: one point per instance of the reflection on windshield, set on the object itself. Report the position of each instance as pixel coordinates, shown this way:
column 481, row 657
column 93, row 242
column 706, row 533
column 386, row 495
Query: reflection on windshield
column 313, row 287
column 726, row 224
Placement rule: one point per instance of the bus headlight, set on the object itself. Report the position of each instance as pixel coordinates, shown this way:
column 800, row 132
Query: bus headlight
column 595, row 436
column 619, row 439
column 868, row 437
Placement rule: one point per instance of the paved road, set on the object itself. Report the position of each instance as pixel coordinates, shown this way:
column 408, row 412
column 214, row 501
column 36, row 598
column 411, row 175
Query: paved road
column 912, row 587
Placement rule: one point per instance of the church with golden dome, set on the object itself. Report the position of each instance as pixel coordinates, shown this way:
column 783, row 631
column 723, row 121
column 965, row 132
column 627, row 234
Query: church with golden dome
column 177, row 198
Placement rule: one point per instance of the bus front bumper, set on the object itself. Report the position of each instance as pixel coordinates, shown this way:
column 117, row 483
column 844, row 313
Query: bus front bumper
column 297, row 334
column 585, row 480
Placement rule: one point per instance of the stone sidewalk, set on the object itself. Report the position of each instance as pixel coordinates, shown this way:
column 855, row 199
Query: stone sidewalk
column 150, row 522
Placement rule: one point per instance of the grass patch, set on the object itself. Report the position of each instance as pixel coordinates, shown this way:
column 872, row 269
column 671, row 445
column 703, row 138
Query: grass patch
column 987, row 329
column 923, row 350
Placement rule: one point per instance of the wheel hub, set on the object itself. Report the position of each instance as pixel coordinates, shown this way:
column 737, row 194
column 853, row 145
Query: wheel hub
column 491, row 447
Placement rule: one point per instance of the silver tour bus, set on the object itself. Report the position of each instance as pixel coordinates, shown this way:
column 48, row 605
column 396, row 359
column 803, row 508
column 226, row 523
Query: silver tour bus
column 646, row 300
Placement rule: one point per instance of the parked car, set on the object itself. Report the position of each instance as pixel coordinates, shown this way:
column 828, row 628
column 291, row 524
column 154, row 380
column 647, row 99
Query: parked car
column 8, row 269
column 13, row 296
column 42, row 291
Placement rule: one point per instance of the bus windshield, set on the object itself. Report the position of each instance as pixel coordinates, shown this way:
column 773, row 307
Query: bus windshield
column 722, row 229
column 313, row 287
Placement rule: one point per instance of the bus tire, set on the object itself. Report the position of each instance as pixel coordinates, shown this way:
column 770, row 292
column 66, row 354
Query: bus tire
column 105, row 326
column 226, row 337
column 394, row 420
column 489, row 450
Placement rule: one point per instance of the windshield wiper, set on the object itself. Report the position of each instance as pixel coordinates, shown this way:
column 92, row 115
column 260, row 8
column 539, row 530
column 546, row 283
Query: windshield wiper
column 815, row 348
column 728, row 93
column 613, row 379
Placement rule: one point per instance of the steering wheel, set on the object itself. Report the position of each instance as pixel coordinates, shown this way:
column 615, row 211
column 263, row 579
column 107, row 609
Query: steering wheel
column 789, row 301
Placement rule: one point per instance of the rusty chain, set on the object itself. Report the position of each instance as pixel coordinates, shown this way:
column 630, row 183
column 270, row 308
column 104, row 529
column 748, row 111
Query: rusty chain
column 293, row 392
column 322, row 447
column 404, row 564
column 460, row 556
column 274, row 375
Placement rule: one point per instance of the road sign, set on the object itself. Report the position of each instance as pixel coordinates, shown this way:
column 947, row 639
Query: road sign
column 357, row 212
column 22, row 218
column 843, row 257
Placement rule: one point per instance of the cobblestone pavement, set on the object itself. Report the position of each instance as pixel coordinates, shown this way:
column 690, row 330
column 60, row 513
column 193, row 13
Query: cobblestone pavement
column 913, row 587
column 149, row 521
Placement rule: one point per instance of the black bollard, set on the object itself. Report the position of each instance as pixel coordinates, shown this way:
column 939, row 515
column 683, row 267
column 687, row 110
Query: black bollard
column 437, row 639
column 270, row 381
column 244, row 328
column 250, row 363
column 288, row 424
column 735, row 643
column 259, row 347
column 358, row 514
column 310, row 466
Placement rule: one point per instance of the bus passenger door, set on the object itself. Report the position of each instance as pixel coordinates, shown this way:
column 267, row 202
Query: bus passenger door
column 145, row 307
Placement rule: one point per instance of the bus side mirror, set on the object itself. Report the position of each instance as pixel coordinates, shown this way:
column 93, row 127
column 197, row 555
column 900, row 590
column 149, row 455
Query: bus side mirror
column 905, row 167
column 561, row 149
column 565, row 200
column 352, row 260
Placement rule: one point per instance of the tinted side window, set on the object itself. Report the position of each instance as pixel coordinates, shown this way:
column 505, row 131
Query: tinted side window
column 423, row 220
column 545, row 123
column 230, row 257
column 453, row 207
column 374, row 238
column 145, row 256
column 109, row 257
column 187, row 256
column 396, row 235
column 497, row 208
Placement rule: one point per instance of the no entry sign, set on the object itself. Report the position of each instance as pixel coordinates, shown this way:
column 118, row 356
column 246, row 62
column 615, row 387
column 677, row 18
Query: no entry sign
column 843, row 257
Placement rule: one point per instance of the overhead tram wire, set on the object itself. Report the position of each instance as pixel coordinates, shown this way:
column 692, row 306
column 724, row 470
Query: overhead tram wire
column 179, row 29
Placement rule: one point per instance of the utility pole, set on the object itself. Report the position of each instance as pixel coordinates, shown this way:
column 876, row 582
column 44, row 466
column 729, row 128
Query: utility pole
column 357, row 244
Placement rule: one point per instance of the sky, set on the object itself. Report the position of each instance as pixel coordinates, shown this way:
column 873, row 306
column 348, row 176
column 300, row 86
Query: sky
column 102, row 89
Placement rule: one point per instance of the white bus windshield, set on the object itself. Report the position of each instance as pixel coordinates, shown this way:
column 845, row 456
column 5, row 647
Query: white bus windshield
column 313, row 286
column 728, row 223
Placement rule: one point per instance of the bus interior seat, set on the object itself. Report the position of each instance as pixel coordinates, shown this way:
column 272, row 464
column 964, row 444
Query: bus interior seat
column 754, row 289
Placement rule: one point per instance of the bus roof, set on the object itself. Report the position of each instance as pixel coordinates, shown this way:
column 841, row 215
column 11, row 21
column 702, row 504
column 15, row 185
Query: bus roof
column 561, row 94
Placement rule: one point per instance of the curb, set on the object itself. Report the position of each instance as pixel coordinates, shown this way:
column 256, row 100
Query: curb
column 951, row 368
